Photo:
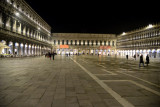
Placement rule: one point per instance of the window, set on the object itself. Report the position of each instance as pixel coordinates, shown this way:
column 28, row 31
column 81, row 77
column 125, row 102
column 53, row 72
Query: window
column 96, row 42
column 101, row 43
column 71, row 42
column 104, row 43
column 112, row 43
column 79, row 42
column 54, row 42
column 62, row 42
column 84, row 42
column 88, row 42
column 92, row 42
column 108, row 43
column 75, row 42
column 67, row 42
column 58, row 42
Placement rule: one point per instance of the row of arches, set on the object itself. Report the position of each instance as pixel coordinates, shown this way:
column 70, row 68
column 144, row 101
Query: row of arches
column 153, row 53
column 23, row 49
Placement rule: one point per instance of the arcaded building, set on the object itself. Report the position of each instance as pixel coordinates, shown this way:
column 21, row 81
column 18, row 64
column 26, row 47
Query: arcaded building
column 24, row 33
column 140, row 41
column 23, row 30
column 83, row 43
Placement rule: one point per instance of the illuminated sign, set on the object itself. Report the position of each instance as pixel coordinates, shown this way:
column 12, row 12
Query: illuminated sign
column 64, row 46
column 104, row 47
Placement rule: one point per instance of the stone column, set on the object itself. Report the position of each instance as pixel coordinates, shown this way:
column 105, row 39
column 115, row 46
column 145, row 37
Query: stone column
column 40, row 50
column 24, row 30
column 35, row 50
column 19, row 28
column 24, row 49
column 19, row 49
column 1, row 19
column 7, row 43
column 31, row 50
column 14, row 25
column 13, row 49
column 8, row 24
column 27, row 49
column 28, row 32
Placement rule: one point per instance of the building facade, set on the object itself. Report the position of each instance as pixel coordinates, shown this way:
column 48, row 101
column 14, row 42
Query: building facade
column 23, row 30
column 24, row 33
column 82, row 43
column 141, row 41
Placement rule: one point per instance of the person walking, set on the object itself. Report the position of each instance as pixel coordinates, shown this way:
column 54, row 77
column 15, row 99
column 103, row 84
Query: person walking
column 127, row 57
column 49, row 54
column 53, row 55
column 135, row 57
column 141, row 61
column 147, row 59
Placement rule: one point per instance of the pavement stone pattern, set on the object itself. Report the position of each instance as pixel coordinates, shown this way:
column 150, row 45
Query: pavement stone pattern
column 41, row 82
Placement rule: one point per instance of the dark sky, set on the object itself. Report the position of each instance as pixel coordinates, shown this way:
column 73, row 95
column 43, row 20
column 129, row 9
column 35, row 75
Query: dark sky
column 96, row 17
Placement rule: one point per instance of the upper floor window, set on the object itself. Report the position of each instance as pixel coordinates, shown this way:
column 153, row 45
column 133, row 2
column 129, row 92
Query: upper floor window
column 75, row 42
column 71, row 42
column 96, row 42
column 108, row 43
column 62, row 42
column 79, row 42
column 58, row 42
column 88, row 42
column 101, row 43
column 83, row 42
column 67, row 42
column 104, row 43
column 112, row 43
column 54, row 42
column 92, row 42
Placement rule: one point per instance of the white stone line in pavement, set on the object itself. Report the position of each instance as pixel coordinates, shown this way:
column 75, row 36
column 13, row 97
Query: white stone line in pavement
column 142, row 86
column 101, row 65
column 121, row 100
column 84, row 61
column 115, row 80
column 133, row 82
column 111, row 73
column 139, row 79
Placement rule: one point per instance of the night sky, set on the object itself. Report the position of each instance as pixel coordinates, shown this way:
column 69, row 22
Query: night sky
column 96, row 17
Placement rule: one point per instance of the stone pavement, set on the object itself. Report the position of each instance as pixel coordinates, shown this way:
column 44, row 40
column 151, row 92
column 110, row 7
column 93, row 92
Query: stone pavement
column 78, row 81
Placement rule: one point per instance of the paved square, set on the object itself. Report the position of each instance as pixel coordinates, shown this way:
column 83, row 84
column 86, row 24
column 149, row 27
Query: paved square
column 78, row 81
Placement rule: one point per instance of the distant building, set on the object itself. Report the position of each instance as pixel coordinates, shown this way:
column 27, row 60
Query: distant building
column 22, row 29
column 83, row 43
column 141, row 41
